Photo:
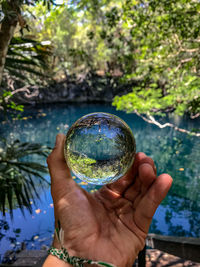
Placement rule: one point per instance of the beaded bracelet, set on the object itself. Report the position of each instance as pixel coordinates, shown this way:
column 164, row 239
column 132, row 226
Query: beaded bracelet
column 62, row 253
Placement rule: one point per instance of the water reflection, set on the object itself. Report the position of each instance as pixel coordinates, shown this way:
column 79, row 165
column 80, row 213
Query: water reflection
column 173, row 152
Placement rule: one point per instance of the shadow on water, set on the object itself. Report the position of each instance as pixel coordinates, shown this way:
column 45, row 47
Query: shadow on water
column 173, row 152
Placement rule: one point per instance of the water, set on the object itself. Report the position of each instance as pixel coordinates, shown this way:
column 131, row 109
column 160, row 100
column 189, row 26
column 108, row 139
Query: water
column 173, row 152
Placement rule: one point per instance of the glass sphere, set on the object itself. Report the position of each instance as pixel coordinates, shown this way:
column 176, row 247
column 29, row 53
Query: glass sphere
column 99, row 148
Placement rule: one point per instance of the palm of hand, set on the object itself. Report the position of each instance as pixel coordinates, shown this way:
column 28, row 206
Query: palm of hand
column 111, row 224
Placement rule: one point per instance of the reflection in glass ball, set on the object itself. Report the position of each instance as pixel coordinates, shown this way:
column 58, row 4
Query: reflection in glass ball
column 99, row 148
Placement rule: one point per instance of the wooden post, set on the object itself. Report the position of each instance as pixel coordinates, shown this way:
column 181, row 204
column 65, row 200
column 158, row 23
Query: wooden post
column 142, row 257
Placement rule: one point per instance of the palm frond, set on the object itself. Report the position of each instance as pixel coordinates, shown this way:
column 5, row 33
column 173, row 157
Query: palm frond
column 22, row 68
column 2, row 201
column 27, row 57
column 15, row 73
column 18, row 173
column 10, row 198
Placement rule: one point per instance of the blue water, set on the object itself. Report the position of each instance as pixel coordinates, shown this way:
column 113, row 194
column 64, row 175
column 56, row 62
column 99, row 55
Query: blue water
column 173, row 152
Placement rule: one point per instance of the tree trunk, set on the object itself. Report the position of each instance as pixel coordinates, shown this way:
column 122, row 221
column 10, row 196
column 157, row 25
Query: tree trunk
column 6, row 33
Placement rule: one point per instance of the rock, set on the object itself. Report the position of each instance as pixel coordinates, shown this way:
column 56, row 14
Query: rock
column 91, row 88
column 9, row 257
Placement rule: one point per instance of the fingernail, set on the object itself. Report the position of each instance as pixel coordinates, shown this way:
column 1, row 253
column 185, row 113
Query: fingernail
column 155, row 169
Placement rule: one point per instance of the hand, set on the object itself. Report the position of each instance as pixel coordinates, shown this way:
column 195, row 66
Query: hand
column 111, row 224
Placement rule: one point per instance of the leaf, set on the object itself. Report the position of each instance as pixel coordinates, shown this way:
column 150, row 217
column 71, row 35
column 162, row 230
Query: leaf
column 10, row 198
column 2, row 201
column 16, row 176
column 17, row 230
column 24, row 55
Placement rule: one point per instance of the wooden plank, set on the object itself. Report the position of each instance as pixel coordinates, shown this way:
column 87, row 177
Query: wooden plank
column 28, row 258
column 183, row 247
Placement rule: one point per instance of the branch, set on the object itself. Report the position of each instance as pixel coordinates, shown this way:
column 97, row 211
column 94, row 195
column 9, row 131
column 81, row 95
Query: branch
column 182, row 49
column 152, row 120
column 15, row 92
column 194, row 40
column 190, row 50
column 25, row 89
column 195, row 116
column 182, row 62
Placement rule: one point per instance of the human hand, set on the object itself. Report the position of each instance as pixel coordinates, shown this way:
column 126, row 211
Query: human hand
column 111, row 224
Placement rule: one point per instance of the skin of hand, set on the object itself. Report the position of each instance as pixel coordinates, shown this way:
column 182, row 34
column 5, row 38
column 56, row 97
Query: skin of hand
column 111, row 224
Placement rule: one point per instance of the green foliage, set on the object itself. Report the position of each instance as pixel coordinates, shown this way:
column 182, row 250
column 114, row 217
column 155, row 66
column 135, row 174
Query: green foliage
column 59, row 25
column 166, row 48
column 18, row 171
column 27, row 59
column 82, row 164
column 26, row 62
column 154, row 43
column 6, row 6
column 7, row 105
column 12, row 10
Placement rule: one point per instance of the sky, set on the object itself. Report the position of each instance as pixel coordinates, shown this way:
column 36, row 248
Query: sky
column 59, row 2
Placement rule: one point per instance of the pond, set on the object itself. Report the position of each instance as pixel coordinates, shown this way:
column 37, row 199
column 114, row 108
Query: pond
column 173, row 152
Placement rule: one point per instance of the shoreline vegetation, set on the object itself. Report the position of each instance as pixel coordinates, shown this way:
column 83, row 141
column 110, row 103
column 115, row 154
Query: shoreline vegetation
column 91, row 88
column 144, row 58
column 96, row 89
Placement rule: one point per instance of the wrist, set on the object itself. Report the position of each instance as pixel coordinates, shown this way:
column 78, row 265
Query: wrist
column 52, row 261
column 63, row 252
column 63, row 255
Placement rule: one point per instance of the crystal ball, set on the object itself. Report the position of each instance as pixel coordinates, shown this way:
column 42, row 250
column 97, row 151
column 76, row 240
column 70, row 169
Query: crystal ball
column 99, row 148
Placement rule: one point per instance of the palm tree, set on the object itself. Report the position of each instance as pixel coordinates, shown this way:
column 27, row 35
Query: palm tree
column 26, row 58
column 12, row 16
column 17, row 173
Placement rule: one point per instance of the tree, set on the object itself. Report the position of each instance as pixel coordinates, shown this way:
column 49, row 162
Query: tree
column 77, row 32
column 10, row 10
column 60, row 26
column 166, row 38
column 12, row 16
column 16, row 169
column 154, row 43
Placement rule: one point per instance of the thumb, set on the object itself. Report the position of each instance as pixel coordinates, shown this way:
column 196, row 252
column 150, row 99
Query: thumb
column 59, row 171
